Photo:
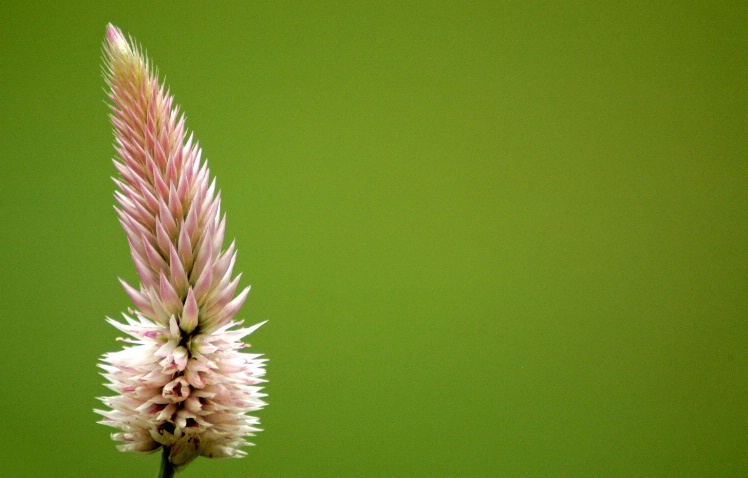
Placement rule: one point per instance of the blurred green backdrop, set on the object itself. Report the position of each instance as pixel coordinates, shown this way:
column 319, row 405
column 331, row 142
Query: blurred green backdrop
column 492, row 239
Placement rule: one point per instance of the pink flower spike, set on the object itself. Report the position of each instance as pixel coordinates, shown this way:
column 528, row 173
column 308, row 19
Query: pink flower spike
column 182, row 383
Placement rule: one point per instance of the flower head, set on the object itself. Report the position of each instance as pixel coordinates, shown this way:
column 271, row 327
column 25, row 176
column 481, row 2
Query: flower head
column 183, row 382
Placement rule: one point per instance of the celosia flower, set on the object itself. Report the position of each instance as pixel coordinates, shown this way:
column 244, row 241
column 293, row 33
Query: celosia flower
column 183, row 383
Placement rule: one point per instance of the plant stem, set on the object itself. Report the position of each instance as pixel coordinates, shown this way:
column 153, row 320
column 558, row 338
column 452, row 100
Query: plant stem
column 167, row 470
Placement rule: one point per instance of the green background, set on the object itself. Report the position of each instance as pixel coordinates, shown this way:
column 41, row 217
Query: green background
column 491, row 239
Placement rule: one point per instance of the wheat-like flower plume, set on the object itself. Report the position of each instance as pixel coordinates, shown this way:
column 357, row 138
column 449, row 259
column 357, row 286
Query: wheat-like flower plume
column 183, row 382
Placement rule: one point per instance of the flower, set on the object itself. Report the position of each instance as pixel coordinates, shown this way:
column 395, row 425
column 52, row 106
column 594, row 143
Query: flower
column 183, row 382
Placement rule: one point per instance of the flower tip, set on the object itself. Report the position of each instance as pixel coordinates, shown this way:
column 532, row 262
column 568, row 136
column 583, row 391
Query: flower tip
column 116, row 39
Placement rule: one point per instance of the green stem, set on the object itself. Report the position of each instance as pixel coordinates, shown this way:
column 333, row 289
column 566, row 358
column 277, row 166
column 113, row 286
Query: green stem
column 167, row 470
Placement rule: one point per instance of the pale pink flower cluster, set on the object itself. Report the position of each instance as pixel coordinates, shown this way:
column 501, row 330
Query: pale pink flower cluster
column 183, row 383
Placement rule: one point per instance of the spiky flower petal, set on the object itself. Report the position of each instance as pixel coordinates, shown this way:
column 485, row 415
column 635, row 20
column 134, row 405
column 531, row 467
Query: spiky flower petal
column 183, row 382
